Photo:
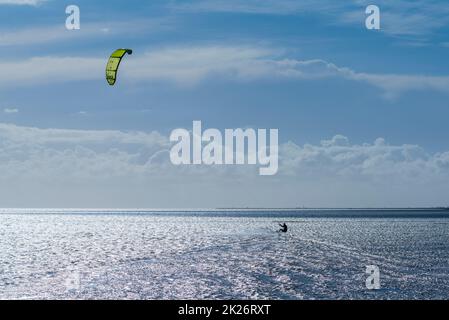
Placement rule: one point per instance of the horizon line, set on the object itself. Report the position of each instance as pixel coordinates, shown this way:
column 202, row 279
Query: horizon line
column 227, row 208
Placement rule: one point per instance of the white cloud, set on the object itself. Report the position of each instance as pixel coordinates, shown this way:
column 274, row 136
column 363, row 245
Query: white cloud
column 189, row 66
column 186, row 66
column 337, row 157
column 58, row 33
column 43, row 70
column 43, row 35
column 60, row 167
column 253, row 6
column 22, row 2
column 10, row 110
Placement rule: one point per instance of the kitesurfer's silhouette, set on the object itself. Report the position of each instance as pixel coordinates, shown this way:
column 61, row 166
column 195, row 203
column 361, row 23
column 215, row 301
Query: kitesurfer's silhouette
column 284, row 228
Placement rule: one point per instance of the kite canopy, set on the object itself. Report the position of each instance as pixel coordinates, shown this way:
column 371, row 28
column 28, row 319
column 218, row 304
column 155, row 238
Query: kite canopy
column 113, row 64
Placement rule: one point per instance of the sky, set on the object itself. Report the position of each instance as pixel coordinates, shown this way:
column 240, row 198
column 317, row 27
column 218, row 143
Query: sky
column 362, row 114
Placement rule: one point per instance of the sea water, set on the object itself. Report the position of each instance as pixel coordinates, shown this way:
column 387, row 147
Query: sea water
column 223, row 254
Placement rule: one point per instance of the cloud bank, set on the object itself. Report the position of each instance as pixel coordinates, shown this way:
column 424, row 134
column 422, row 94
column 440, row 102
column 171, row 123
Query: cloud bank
column 60, row 167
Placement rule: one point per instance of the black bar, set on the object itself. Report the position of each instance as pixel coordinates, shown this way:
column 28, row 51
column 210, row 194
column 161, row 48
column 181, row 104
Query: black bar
column 265, row 309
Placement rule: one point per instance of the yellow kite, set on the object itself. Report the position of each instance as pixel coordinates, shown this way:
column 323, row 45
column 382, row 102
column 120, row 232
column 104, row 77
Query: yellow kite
column 113, row 64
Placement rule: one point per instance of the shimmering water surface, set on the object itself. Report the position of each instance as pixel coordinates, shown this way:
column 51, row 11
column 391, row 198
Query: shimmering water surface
column 108, row 254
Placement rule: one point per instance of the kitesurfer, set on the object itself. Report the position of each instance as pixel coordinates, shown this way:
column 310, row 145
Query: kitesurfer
column 284, row 228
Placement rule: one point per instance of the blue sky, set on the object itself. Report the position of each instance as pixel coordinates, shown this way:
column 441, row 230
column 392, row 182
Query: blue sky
column 309, row 68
